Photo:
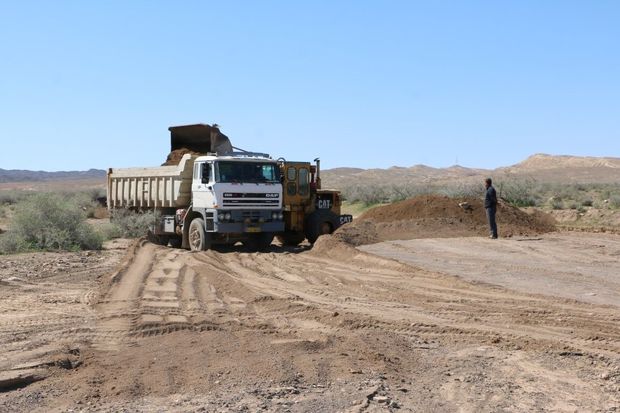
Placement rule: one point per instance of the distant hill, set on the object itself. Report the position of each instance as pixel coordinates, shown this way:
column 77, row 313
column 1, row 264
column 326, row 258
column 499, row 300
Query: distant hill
column 566, row 169
column 541, row 167
column 17, row 175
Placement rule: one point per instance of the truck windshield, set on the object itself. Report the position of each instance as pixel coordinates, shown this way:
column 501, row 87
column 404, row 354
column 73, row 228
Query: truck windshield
column 253, row 172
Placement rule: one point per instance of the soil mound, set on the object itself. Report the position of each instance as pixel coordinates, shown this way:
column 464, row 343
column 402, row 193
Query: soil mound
column 175, row 156
column 435, row 216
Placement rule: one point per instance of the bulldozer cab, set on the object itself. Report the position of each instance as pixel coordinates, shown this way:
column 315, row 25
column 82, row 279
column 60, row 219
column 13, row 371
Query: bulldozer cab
column 296, row 182
column 303, row 196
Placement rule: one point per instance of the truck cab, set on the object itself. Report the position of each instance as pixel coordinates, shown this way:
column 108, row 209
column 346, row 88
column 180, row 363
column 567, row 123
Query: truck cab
column 237, row 196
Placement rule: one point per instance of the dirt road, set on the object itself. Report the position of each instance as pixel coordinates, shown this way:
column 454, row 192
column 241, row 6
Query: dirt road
column 332, row 329
column 578, row 266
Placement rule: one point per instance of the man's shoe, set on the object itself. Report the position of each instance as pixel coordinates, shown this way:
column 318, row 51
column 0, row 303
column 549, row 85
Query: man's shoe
column 493, row 236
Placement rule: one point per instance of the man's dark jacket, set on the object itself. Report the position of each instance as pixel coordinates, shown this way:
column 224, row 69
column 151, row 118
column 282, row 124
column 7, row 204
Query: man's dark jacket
column 490, row 199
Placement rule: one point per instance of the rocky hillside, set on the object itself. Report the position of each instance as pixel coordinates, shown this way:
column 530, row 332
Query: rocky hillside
column 542, row 167
column 17, row 175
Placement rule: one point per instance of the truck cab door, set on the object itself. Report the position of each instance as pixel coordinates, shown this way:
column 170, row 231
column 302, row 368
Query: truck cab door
column 202, row 185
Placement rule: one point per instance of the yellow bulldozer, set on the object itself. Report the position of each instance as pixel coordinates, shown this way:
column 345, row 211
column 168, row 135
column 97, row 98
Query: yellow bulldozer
column 309, row 211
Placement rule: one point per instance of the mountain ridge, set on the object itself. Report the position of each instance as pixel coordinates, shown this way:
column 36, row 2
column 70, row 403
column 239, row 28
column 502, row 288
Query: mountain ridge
column 544, row 166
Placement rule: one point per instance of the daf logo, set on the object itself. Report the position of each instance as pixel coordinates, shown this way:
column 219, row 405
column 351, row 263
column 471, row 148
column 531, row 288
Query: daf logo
column 273, row 195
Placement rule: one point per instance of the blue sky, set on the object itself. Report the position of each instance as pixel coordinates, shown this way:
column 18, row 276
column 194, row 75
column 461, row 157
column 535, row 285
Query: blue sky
column 358, row 83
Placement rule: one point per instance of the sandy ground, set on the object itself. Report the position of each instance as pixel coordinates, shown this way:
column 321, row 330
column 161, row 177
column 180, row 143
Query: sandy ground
column 580, row 266
column 332, row 329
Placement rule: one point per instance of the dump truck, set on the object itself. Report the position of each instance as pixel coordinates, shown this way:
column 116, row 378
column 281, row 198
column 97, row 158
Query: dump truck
column 213, row 195
column 210, row 192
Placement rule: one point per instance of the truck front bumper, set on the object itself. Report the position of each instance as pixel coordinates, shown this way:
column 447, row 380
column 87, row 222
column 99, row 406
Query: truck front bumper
column 241, row 227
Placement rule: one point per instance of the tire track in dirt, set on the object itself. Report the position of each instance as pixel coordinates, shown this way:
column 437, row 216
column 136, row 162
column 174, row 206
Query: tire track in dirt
column 168, row 290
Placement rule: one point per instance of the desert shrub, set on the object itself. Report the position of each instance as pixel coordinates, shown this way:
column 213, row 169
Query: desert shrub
column 110, row 230
column 11, row 197
column 49, row 222
column 96, row 193
column 11, row 242
column 460, row 190
column 86, row 200
column 587, row 202
column 130, row 224
column 366, row 194
column 520, row 193
column 574, row 205
column 557, row 203
column 614, row 201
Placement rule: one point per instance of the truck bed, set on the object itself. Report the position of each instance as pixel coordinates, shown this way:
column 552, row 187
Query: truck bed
column 149, row 188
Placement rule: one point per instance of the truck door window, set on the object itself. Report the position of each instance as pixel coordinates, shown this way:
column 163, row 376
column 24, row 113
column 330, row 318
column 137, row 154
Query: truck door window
column 206, row 173
column 303, row 181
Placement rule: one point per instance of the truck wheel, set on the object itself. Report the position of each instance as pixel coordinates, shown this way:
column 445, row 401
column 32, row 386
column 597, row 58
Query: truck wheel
column 259, row 242
column 291, row 239
column 320, row 222
column 199, row 239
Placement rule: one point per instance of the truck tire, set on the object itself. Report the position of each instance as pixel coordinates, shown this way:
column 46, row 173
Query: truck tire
column 199, row 239
column 320, row 222
column 291, row 239
column 259, row 242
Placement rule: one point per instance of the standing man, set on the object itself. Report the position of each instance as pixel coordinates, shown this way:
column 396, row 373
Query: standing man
column 490, row 205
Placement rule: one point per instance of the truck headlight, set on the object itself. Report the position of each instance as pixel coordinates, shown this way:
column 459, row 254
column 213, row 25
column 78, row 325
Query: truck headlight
column 280, row 216
column 227, row 216
column 220, row 217
column 274, row 215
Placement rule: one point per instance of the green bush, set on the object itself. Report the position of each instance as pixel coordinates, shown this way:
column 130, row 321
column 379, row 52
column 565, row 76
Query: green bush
column 614, row 201
column 11, row 197
column 49, row 222
column 557, row 203
column 520, row 193
column 130, row 224
column 110, row 231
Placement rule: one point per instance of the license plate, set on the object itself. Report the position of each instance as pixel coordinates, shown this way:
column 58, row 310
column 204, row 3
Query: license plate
column 252, row 229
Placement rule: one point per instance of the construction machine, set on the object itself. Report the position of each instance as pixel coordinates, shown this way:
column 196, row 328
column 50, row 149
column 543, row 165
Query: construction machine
column 309, row 210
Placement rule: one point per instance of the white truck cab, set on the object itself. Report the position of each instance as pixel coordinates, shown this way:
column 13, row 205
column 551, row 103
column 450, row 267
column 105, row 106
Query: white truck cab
column 239, row 193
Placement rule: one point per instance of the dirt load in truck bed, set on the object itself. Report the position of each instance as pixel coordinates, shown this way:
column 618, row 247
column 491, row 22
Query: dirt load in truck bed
column 176, row 155
column 431, row 216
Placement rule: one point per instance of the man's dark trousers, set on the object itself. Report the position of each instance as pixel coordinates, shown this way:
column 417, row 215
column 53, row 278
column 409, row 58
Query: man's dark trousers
column 491, row 218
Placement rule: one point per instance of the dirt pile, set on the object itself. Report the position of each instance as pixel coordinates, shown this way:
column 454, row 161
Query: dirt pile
column 435, row 216
column 175, row 156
